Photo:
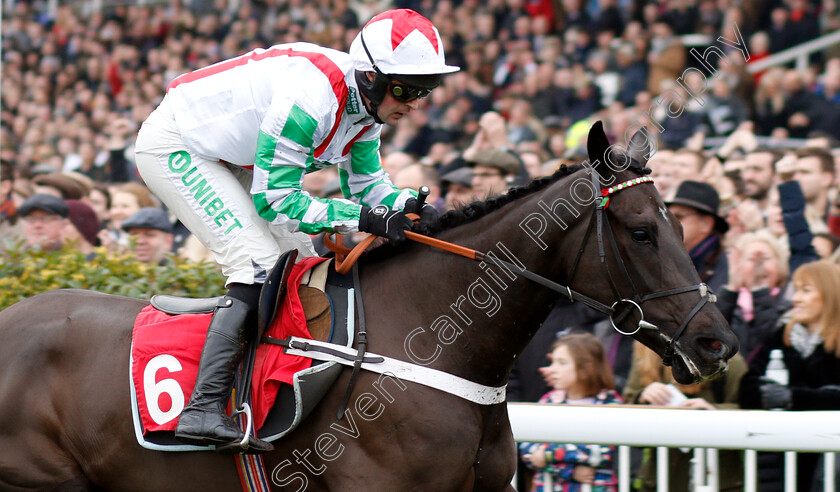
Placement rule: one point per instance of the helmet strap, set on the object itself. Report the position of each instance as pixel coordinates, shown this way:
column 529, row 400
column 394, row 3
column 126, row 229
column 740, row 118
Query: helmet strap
column 373, row 109
column 372, row 93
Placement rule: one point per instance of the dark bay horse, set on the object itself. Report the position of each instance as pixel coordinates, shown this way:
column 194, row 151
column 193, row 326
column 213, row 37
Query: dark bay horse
column 65, row 418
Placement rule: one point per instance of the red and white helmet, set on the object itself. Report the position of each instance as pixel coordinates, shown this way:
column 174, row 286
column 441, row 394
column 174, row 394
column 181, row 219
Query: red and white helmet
column 400, row 41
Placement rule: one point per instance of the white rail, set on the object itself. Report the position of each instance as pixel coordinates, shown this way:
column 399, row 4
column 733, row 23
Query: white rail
column 706, row 431
column 643, row 426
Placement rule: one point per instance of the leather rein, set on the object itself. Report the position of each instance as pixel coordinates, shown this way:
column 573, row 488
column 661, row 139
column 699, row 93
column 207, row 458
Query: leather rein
column 620, row 309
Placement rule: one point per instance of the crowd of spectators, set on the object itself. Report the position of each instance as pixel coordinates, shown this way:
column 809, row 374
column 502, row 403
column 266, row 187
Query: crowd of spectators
column 747, row 160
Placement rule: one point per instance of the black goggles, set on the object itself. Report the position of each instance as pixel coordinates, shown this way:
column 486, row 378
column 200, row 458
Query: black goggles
column 405, row 93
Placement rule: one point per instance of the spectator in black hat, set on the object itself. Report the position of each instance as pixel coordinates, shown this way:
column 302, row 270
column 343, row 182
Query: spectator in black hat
column 44, row 217
column 494, row 171
column 151, row 234
column 696, row 206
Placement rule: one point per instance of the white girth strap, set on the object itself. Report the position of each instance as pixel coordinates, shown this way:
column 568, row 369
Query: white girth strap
column 468, row 390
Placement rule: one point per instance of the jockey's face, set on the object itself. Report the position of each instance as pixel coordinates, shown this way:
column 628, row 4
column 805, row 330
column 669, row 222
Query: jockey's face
column 391, row 111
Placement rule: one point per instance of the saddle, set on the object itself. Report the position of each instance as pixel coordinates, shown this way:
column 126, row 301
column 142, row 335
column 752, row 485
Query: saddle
column 323, row 296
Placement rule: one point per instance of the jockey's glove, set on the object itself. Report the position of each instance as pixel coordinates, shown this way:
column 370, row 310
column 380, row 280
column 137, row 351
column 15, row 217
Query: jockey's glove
column 775, row 396
column 428, row 215
column 381, row 221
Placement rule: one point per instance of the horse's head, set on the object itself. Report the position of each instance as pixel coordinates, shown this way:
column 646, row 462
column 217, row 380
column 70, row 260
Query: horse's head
column 635, row 244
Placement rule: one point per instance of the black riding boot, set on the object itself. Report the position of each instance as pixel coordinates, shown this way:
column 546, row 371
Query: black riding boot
column 204, row 421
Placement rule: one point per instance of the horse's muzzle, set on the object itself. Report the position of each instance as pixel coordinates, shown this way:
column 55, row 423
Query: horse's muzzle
column 704, row 357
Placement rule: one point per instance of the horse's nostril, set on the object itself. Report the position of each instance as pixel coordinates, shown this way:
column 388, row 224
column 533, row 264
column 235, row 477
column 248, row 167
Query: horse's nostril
column 713, row 345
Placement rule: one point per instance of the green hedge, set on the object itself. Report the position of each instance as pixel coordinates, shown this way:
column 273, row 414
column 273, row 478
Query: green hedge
column 24, row 273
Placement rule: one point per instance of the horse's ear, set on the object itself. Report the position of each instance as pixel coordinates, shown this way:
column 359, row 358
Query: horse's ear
column 597, row 144
column 639, row 147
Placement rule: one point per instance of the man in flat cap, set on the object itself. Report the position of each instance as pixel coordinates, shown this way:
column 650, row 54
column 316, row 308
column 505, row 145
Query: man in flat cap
column 44, row 218
column 494, row 171
column 151, row 234
column 459, row 190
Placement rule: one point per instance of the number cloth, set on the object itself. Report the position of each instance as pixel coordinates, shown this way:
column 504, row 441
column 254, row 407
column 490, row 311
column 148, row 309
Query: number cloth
column 166, row 349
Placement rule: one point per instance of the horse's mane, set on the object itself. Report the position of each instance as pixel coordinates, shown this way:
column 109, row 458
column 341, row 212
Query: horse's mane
column 476, row 210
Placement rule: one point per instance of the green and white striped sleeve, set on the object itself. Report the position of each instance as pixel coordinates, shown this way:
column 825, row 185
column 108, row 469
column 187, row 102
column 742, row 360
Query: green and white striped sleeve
column 362, row 176
column 284, row 150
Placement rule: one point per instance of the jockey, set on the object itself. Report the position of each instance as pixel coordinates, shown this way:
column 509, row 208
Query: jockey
column 226, row 151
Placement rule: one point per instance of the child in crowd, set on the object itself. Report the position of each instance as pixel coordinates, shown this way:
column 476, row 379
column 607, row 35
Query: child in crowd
column 580, row 375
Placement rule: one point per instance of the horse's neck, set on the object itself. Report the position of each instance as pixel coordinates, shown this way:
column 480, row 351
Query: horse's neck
column 477, row 318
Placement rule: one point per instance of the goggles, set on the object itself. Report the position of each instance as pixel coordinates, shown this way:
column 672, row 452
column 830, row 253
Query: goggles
column 405, row 93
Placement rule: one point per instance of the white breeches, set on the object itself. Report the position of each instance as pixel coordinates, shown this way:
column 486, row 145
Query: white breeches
column 213, row 200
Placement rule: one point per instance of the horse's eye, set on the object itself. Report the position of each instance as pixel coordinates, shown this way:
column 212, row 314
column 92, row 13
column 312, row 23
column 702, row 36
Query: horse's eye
column 640, row 236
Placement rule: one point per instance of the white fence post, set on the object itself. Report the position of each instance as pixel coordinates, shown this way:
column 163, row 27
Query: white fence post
column 750, row 470
column 624, row 478
column 713, row 473
column 698, row 470
column 790, row 471
column 661, row 469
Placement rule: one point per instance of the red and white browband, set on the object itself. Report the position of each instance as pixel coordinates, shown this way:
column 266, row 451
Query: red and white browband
column 606, row 192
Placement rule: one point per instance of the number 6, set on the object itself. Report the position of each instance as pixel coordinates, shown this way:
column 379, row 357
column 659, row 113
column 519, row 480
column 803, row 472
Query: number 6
column 171, row 387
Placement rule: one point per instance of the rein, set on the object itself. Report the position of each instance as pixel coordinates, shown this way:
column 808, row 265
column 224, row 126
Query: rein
column 345, row 258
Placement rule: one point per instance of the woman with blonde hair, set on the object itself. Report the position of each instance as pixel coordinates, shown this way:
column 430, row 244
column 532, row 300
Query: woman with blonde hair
column 753, row 299
column 769, row 102
column 809, row 339
column 651, row 383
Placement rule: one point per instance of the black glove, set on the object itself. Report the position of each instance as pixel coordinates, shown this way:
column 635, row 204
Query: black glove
column 775, row 395
column 381, row 221
column 428, row 215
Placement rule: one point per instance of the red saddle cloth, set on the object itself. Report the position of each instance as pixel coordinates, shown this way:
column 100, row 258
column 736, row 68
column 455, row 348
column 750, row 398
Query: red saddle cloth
column 166, row 350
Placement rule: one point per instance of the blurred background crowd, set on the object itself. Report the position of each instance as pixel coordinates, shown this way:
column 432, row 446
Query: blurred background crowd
column 747, row 158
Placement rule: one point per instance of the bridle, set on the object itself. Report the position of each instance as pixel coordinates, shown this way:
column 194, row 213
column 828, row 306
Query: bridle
column 599, row 221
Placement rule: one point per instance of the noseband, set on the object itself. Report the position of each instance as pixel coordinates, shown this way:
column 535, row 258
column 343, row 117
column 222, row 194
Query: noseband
column 600, row 222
